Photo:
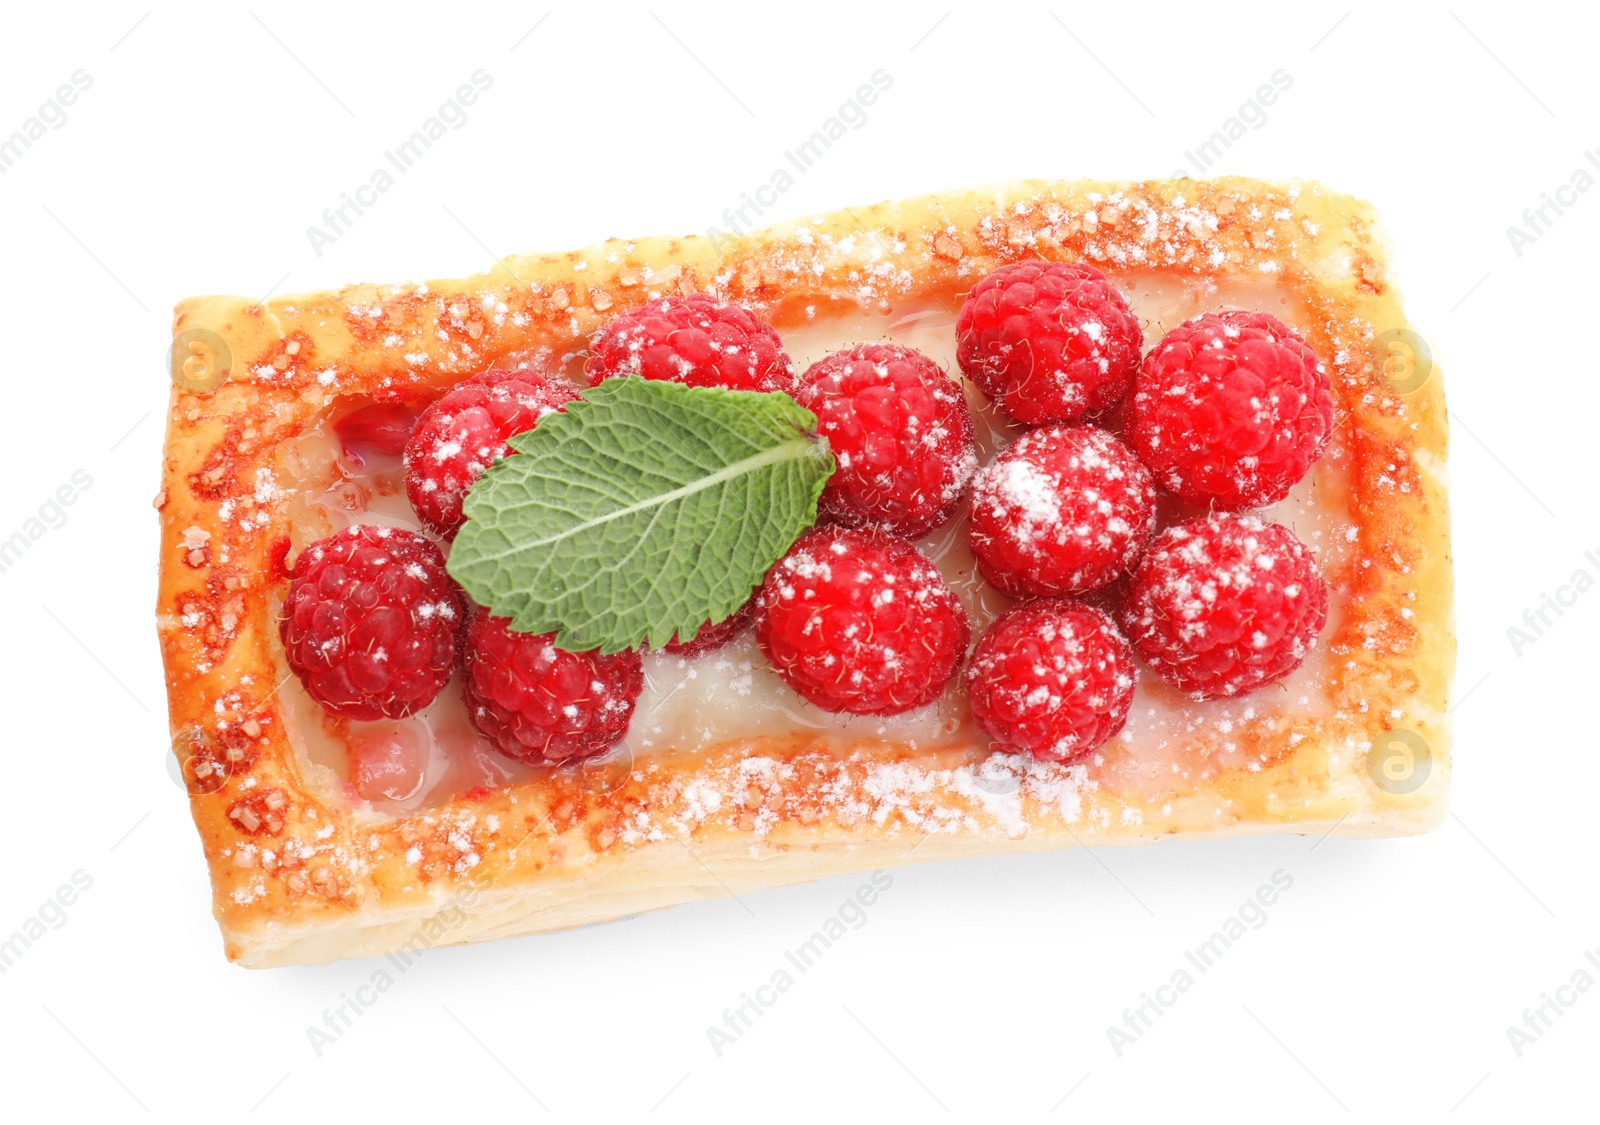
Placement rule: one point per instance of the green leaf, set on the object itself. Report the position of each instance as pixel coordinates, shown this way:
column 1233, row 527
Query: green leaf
column 646, row 508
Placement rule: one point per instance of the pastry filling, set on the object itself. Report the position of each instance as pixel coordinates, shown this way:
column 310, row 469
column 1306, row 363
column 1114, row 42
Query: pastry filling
column 691, row 703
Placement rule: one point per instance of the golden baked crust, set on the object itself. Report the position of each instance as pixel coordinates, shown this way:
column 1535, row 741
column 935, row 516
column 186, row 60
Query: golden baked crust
column 303, row 871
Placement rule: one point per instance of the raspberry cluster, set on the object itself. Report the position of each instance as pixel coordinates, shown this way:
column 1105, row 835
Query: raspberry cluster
column 1227, row 412
column 375, row 627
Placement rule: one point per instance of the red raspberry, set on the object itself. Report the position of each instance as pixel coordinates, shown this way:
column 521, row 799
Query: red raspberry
column 379, row 429
column 543, row 704
column 1051, row 678
column 1230, row 410
column 1225, row 604
column 1063, row 511
column 372, row 622
column 1049, row 342
column 709, row 638
column 462, row 434
column 860, row 621
column 694, row 339
column 902, row 434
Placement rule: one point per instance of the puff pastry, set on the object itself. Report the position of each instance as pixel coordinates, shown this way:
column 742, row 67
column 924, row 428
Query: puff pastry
column 304, row 870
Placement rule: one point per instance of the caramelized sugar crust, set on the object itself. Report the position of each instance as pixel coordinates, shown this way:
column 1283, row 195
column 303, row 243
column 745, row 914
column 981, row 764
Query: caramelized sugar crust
column 304, row 870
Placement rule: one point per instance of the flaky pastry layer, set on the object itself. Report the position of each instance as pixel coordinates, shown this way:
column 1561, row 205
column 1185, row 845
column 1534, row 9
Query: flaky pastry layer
column 303, row 870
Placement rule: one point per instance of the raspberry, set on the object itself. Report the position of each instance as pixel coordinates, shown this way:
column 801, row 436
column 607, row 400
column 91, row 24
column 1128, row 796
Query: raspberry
column 542, row 704
column 1063, row 511
column 902, row 434
column 372, row 622
column 860, row 621
column 462, row 434
column 694, row 339
column 1225, row 604
column 379, row 429
column 709, row 638
column 1051, row 678
column 1230, row 410
column 1049, row 342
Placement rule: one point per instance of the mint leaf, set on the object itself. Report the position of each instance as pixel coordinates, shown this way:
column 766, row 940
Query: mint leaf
column 646, row 508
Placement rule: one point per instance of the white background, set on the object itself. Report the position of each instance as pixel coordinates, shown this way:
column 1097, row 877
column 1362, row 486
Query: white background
column 1383, row 982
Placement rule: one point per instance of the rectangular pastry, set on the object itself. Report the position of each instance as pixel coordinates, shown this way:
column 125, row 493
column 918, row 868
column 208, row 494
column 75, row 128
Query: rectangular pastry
column 1168, row 452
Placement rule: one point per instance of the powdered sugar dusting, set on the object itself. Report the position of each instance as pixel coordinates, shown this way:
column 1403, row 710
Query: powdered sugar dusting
column 693, row 706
